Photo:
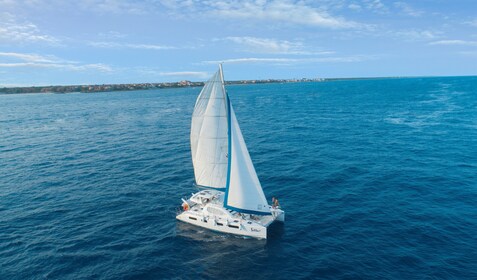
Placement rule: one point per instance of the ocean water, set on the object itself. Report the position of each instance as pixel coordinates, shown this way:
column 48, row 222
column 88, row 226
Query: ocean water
column 378, row 179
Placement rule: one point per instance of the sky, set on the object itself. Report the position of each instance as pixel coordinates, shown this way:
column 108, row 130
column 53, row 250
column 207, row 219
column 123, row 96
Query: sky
column 66, row 42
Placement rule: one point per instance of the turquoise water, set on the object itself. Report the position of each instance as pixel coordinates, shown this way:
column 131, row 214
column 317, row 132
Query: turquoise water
column 378, row 179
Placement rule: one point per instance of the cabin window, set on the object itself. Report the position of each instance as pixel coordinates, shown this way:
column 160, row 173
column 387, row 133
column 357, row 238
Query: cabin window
column 219, row 224
column 193, row 218
column 233, row 226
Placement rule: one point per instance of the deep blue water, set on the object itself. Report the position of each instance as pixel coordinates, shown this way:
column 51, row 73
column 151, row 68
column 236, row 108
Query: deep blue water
column 378, row 179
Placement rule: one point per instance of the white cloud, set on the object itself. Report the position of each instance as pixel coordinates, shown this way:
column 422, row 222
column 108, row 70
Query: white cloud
column 252, row 60
column 407, row 9
column 416, row 34
column 112, row 35
column 28, row 60
column 185, row 74
column 12, row 31
column 355, row 58
column 454, row 42
column 299, row 12
column 74, row 67
column 130, row 46
column 118, row 7
column 29, row 57
column 180, row 4
column 145, row 71
column 115, row 6
column 266, row 45
column 469, row 53
column 472, row 22
column 272, row 46
column 376, row 6
column 355, row 7
column 295, row 12
column 149, row 47
column 7, row 3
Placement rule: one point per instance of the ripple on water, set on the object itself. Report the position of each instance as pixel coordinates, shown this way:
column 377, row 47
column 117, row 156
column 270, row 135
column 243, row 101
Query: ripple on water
column 377, row 178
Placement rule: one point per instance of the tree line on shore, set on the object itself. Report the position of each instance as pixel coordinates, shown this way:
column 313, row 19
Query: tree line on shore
column 128, row 87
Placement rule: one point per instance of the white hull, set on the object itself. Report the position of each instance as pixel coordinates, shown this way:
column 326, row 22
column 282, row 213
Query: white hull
column 205, row 209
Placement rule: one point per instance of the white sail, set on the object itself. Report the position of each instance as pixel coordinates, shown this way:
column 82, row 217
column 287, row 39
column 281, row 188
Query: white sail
column 219, row 153
column 208, row 136
column 244, row 192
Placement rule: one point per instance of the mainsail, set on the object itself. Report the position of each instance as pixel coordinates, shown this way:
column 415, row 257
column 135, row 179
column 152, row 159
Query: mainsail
column 219, row 153
column 208, row 135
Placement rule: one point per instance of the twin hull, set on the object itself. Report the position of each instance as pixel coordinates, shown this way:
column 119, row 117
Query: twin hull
column 205, row 209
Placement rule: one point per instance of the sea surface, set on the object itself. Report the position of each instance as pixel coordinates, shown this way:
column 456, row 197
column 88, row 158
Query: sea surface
column 378, row 179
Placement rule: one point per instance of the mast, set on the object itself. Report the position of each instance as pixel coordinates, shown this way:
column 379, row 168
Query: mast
column 229, row 135
column 222, row 79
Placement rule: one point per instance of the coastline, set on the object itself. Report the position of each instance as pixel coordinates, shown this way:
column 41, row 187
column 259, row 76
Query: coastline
column 62, row 89
column 133, row 86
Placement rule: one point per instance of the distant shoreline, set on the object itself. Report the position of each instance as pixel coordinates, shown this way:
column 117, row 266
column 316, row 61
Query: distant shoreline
column 147, row 86
column 131, row 87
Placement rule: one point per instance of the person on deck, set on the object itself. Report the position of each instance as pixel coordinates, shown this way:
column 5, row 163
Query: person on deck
column 275, row 203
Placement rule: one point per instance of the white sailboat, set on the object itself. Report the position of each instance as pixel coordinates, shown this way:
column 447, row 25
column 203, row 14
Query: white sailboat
column 232, row 199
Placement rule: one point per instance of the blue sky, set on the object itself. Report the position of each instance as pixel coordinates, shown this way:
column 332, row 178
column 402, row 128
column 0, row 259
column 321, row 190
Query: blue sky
column 58, row 42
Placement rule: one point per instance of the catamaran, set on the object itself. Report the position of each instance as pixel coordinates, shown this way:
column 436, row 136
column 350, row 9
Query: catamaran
column 231, row 198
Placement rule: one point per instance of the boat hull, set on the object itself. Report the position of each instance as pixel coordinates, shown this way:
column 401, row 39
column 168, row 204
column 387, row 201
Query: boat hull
column 256, row 231
column 205, row 209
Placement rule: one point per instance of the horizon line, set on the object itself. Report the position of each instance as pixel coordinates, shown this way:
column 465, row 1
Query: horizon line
column 318, row 79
